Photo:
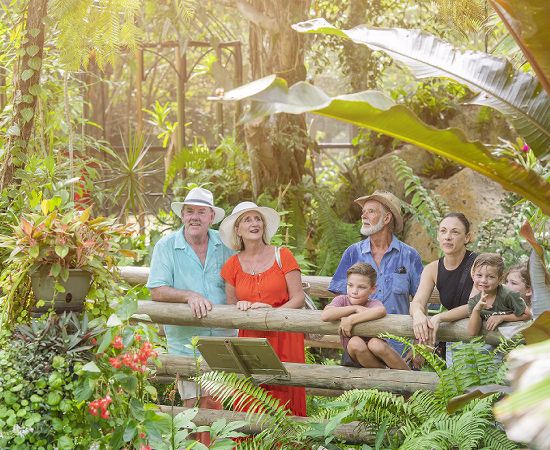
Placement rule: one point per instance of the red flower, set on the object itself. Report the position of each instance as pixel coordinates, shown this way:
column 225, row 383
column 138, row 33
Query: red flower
column 117, row 343
column 115, row 362
column 142, row 435
column 137, row 337
column 145, row 447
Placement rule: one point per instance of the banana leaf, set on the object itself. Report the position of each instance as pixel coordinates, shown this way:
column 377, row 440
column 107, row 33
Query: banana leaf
column 376, row 111
column 529, row 24
column 516, row 94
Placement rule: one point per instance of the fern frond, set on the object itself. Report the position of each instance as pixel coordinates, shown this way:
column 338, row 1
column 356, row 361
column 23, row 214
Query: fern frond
column 425, row 205
column 472, row 365
column 334, row 236
column 240, row 394
column 423, row 405
column 495, row 439
column 372, row 407
column 434, row 361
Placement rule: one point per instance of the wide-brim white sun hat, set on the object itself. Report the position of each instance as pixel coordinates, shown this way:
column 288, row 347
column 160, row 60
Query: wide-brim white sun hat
column 199, row 197
column 227, row 227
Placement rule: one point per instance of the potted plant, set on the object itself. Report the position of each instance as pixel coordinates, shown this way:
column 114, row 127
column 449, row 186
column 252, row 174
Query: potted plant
column 56, row 255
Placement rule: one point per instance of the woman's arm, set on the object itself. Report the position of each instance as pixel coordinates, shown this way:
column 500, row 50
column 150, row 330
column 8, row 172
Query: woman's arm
column 230, row 294
column 296, row 294
column 421, row 322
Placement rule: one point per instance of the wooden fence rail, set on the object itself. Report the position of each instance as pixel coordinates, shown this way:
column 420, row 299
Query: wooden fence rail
column 318, row 284
column 297, row 320
column 352, row 433
column 319, row 376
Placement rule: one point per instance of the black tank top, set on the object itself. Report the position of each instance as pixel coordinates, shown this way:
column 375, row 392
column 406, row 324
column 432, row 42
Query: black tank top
column 451, row 292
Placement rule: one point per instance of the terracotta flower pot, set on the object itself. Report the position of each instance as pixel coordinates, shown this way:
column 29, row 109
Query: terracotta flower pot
column 76, row 289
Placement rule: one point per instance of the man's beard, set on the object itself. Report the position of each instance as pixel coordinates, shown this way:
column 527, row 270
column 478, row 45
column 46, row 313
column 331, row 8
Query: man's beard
column 373, row 229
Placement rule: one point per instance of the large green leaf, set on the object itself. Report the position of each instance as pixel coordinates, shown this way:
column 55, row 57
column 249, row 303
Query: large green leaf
column 516, row 94
column 374, row 110
column 529, row 23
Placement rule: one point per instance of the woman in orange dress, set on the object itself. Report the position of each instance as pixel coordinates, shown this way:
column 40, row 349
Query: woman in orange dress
column 255, row 279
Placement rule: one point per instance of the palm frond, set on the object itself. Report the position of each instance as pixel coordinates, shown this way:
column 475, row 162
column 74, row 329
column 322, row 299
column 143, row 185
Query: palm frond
column 516, row 94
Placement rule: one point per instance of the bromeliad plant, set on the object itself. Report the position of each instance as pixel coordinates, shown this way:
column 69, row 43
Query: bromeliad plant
column 60, row 238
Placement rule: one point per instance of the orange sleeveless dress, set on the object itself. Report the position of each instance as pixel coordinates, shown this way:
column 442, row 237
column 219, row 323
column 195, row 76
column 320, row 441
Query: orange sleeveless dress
column 270, row 287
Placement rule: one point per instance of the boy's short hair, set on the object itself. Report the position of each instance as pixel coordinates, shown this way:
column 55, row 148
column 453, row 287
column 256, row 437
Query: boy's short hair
column 523, row 271
column 489, row 259
column 363, row 269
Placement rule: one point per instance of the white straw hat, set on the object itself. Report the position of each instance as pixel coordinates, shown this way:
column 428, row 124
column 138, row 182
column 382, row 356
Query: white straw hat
column 227, row 227
column 199, row 197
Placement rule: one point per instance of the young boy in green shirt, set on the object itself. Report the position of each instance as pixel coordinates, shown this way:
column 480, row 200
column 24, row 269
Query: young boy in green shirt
column 495, row 303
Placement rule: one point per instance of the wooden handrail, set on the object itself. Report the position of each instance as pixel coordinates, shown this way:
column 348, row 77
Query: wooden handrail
column 296, row 320
column 318, row 284
column 318, row 376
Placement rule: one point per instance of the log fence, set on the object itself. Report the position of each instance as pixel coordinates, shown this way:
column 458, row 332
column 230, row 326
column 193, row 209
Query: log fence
column 326, row 379
column 295, row 320
column 352, row 433
column 318, row 376
column 318, row 284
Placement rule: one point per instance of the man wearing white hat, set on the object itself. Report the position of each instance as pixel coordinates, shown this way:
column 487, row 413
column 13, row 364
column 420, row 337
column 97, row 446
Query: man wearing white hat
column 398, row 266
column 185, row 268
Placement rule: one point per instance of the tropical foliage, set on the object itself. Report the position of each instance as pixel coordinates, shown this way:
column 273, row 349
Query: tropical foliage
column 375, row 111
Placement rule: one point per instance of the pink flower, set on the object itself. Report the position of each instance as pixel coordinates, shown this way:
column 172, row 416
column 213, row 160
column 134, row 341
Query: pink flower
column 525, row 148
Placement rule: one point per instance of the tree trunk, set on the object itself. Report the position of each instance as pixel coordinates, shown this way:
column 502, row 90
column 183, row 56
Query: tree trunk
column 27, row 79
column 277, row 146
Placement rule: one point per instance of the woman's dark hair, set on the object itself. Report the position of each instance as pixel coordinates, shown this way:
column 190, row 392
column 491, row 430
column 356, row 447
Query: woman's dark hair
column 461, row 217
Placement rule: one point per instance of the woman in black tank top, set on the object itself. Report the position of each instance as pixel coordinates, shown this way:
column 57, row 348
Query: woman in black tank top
column 450, row 274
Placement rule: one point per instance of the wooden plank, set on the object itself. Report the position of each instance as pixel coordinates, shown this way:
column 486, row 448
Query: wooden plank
column 320, row 392
column 297, row 320
column 318, row 284
column 352, row 433
column 323, row 342
column 319, row 376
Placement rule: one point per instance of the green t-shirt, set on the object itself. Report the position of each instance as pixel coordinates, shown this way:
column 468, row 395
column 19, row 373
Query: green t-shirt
column 506, row 302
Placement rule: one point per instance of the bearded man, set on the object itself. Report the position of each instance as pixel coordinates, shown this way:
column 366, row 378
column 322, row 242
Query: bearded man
column 398, row 266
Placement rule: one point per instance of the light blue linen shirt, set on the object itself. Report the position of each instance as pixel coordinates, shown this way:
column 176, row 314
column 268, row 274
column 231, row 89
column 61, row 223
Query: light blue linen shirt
column 176, row 264
column 397, row 279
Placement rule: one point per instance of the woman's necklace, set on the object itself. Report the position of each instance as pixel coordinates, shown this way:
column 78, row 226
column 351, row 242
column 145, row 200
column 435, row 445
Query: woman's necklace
column 255, row 264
